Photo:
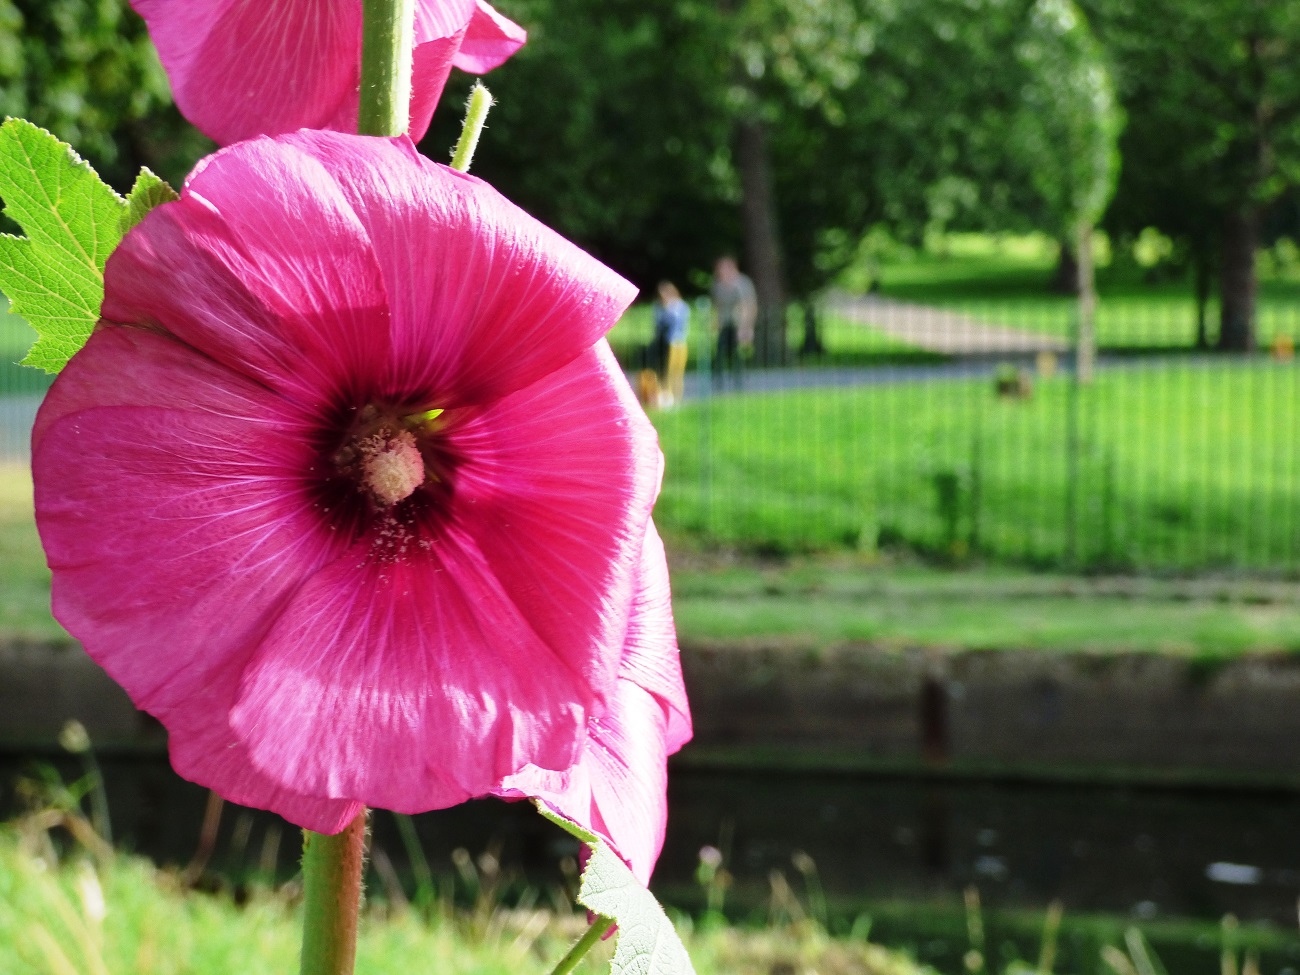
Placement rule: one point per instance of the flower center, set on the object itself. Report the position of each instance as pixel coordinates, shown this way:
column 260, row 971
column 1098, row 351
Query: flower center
column 391, row 466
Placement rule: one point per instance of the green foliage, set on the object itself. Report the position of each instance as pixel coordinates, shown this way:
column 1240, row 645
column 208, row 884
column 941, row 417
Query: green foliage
column 647, row 941
column 86, row 70
column 1213, row 103
column 1069, row 122
column 148, row 192
column 125, row 917
column 804, row 53
column 55, row 276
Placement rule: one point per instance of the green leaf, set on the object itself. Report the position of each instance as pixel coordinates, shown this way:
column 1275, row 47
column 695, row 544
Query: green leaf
column 647, row 941
column 54, row 278
column 148, row 192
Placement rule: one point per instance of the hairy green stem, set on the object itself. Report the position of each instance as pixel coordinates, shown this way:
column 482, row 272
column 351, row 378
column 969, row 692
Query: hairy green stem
column 588, row 941
column 331, row 878
column 476, row 112
column 386, row 51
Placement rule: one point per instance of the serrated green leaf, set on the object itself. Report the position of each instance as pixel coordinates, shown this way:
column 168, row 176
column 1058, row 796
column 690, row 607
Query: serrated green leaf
column 148, row 192
column 54, row 278
column 647, row 941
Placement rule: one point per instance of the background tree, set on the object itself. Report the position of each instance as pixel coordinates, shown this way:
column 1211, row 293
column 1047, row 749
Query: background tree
column 785, row 58
column 1067, row 133
column 928, row 124
column 1214, row 131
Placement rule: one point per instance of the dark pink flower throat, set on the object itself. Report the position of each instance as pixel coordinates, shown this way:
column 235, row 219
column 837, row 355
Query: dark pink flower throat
column 388, row 471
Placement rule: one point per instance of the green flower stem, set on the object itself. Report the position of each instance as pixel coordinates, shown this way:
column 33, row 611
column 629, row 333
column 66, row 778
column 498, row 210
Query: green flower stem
column 331, row 877
column 588, row 941
column 476, row 112
column 386, row 51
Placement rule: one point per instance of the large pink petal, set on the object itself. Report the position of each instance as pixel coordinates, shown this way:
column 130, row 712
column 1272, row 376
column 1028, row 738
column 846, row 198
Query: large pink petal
column 431, row 65
column 208, row 752
column 419, row 671
column 618, row 790
column 556, row 491
column 240, row 69
column 262, row 265
column 440, row 27
column 176, row 525
column 490, row 41
column 485, row 299
column 409, row 684
column 619, row 786
column 439, row 19
column 650, row 656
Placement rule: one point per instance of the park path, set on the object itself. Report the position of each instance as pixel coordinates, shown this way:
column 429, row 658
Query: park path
column 939, row 329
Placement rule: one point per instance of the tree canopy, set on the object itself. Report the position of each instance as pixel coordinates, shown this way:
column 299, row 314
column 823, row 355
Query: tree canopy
column 1213, row 139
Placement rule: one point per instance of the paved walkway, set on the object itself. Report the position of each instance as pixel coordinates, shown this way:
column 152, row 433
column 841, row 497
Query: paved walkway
column 940, row 330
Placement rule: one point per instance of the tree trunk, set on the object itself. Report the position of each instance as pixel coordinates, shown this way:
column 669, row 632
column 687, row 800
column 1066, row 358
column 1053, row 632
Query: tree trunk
column 1065, row 279
column 812, row 340
column 1202, row 279
column 762, row 242
column 1237, row 280
column 1085, row 352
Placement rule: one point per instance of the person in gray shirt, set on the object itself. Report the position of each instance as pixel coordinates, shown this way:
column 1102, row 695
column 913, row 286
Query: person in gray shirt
column 735, row 308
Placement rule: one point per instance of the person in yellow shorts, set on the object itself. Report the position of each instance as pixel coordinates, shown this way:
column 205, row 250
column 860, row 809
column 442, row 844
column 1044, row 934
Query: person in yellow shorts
column 672, row 325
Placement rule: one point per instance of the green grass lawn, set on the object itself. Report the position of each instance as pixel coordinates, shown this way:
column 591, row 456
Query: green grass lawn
column 16, row 336
column 24, row 579
column 1182, row 467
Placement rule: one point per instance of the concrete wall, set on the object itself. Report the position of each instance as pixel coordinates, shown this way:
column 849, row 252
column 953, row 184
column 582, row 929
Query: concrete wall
column 770, row 702
column 995, row 708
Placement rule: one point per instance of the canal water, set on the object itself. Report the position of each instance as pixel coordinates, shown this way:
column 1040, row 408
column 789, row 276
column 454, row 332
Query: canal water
column 853, row 839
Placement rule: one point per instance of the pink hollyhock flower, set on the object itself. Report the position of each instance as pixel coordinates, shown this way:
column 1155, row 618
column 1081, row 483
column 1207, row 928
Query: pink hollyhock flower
column 240, row 69
column 618, row 789
column 346, row 488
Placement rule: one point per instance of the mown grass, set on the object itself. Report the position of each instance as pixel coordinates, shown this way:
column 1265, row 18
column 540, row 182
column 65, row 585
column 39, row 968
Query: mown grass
column 1176, row 467
column 821, row 602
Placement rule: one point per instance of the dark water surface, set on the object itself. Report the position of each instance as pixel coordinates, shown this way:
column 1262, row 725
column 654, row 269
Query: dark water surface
column 1146, row 853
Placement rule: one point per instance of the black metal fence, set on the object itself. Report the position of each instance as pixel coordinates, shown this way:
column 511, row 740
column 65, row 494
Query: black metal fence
column 963, row 432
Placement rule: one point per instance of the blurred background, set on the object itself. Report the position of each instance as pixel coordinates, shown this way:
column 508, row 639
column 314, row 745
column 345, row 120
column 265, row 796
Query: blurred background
column 986, row 551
